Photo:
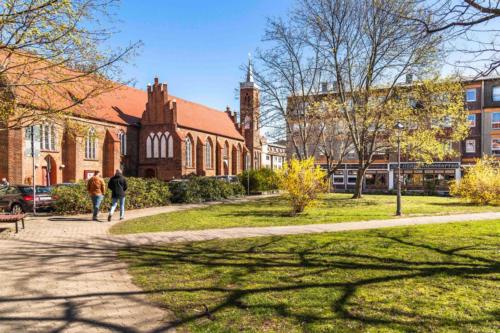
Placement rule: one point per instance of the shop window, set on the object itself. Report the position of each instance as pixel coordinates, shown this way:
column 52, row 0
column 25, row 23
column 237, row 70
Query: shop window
column 470, row 146
column 471, row 95
column 472, row 120
column 351, row 177
column 338, row 178
column 376, row 180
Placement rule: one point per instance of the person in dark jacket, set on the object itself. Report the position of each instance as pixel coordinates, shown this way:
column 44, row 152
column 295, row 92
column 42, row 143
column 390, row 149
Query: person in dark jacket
column 118, row 186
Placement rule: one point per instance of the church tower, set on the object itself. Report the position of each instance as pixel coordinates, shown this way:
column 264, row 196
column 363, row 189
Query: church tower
column 249, row 118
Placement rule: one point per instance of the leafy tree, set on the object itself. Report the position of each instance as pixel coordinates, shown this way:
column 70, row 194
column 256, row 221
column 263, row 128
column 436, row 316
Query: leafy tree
column 303, row 182
column 53, row 57
column 481, row 183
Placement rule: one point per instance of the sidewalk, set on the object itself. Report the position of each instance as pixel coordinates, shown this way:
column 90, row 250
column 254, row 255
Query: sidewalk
column 201, row 235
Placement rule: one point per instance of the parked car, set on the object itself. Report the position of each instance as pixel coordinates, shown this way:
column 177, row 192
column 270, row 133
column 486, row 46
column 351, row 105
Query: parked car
column 19, row 198
column 228, row 179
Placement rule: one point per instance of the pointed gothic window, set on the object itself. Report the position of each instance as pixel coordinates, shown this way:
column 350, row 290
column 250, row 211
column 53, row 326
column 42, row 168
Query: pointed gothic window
column 149, row 146
column 156, row 146
column 91, row 144
column 170, row 146
column 248, row 122
column 123, row 142
column 189, row 153
column 208, row 154
column 163, row 146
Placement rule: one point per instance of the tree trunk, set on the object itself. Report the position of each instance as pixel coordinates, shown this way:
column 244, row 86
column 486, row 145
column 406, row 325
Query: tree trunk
column 358, row 189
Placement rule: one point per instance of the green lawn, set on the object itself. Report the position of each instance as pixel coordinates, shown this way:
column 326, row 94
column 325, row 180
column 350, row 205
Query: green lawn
column 274, row 211
column 433, row 278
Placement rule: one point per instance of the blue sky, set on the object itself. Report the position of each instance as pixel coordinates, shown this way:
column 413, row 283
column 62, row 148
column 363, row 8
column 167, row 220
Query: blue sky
column 197, row 47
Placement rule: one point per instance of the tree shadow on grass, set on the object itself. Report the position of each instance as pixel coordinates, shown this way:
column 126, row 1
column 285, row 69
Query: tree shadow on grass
column 307, row 269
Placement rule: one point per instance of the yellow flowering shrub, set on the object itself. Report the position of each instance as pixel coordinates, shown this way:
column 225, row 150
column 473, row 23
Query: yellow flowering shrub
column 481, row 183
column 303, row 182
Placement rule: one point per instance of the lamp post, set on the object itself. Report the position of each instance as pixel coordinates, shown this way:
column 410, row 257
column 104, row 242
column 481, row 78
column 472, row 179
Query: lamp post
column 399, row 128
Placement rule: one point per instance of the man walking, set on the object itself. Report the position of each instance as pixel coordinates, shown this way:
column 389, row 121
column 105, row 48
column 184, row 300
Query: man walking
column 118, row 186
column 95, row 187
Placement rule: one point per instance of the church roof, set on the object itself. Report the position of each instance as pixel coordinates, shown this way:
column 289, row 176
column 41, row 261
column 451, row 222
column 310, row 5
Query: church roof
column 115, row 103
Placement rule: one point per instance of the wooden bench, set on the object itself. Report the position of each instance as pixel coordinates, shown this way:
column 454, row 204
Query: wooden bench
column 13, row 218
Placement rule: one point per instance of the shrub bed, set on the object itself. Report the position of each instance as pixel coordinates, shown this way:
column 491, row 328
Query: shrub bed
column 260, row 180
column 201, row 189
column 141, row 193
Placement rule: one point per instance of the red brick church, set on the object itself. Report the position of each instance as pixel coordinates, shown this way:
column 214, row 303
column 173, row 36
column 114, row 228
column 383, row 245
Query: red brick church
column 146, row 133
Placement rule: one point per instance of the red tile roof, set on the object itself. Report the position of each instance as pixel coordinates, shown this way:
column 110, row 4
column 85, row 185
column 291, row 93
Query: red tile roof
column 116, row 103
column 125, row 105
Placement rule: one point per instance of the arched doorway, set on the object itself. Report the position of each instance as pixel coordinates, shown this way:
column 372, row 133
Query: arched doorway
column 49, row 171
column 149, row 173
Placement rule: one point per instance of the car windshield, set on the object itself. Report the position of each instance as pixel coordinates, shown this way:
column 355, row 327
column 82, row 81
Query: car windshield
column 39, row 189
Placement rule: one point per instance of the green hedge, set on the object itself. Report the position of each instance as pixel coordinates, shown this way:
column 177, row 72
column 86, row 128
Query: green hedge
column 141, row 193
column 260, row 180
column 200, row 189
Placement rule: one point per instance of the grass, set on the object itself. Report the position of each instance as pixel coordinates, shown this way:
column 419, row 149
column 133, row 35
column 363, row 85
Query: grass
column 332, row 208
column 433, row 278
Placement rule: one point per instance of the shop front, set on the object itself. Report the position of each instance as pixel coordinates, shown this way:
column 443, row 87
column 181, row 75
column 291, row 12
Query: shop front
column 376, row 178
column 431, row 178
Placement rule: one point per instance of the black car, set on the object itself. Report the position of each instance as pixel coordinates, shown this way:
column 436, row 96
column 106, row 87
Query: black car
column 19, row 198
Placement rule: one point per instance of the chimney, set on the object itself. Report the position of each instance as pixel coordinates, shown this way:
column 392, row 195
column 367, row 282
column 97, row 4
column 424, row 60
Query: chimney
column 409, row 78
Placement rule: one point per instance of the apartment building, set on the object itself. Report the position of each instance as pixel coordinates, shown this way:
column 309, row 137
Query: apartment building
column 482, row 100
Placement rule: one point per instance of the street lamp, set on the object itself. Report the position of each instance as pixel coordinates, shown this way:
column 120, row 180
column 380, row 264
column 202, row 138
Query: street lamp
column 399, row 129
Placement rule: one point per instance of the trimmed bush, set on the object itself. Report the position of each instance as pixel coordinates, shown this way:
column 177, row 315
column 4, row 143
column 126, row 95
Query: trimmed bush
column 141, row 193
column 481, row 183
column 260, row 180
column 200, row 189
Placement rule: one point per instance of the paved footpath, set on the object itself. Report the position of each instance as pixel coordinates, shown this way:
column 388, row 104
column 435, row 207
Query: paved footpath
column 62, row 274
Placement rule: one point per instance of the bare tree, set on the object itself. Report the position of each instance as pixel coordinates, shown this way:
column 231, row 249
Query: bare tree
column 288, row 75
column 470, row 28
column 364, row 48
column 53, row 57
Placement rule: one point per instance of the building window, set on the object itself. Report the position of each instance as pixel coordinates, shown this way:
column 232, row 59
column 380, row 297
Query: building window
column 238, row 161
column 496, row 94
column 472, row 120
column 91, row 145
column 123, row 142
column 248, row 122
column 338, row 178
column 225, row 151
column 189, row 153
column 470, row 95
column 149, row 146
column 352, row 175
column 208, row 154
column 495, row 120
column 159, row 145
column 495, row 147
column 48, row 137
column 470, row 146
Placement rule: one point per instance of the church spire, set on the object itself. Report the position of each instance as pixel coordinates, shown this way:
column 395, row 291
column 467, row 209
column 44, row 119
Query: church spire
column 249, row 82
column 249, row 69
